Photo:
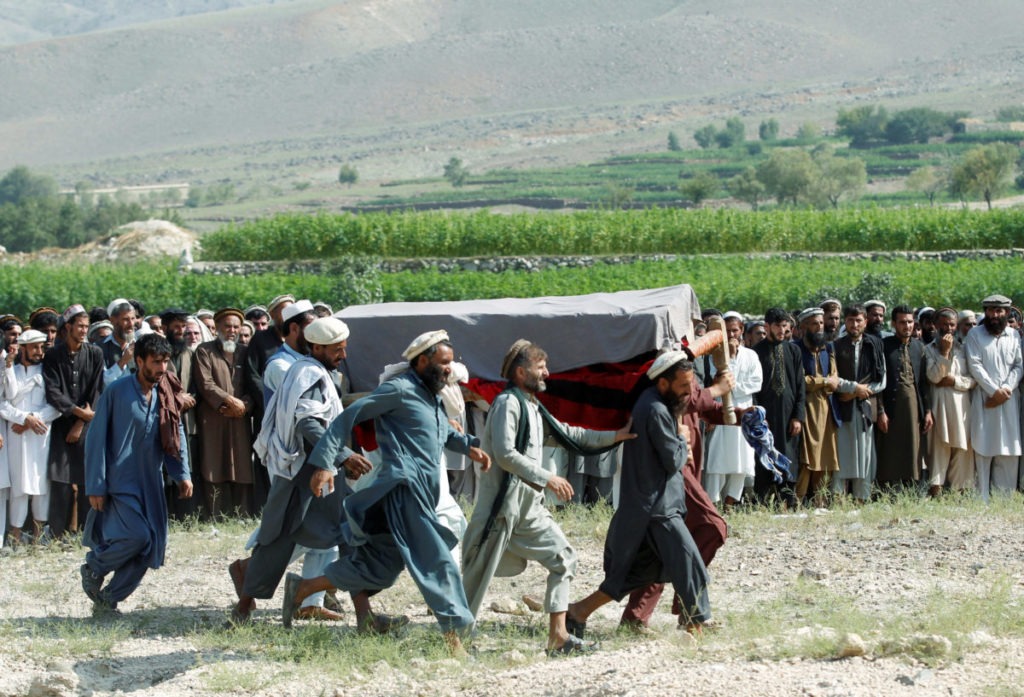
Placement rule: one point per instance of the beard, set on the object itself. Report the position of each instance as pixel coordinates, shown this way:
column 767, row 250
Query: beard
column 177, row 344
column 153, row 377
column 228, row 345
column 815, row 339
column 995, row 325
column 434, row 378
column 534, row 384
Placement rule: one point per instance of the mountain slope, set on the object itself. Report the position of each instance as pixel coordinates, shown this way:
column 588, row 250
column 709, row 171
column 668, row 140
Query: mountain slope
column 292, row 70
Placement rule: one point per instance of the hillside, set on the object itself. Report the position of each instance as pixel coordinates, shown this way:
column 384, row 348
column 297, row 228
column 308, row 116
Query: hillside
column 259, row 88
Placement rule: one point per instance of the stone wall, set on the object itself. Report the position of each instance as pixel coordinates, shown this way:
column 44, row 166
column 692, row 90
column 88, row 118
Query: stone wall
column 530, row 263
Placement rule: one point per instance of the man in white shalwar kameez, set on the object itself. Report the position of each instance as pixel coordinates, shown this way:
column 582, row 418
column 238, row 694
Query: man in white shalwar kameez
column 730, row 459
column 994, row 361
column 26, row 419
column 951, row 459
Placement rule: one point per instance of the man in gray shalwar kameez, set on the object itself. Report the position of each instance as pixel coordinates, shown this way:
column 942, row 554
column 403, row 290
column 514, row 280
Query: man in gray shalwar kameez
column 510, row 524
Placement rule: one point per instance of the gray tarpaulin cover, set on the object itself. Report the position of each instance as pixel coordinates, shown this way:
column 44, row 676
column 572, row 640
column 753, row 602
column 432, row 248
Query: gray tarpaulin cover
column 575, row 330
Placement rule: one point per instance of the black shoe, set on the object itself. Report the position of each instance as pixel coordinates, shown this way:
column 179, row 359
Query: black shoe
column 289, row 605
column 332, row 603
column 574, row 626
column 104, row 609
column 91, row 583
column 572, row 647
column 382, row 624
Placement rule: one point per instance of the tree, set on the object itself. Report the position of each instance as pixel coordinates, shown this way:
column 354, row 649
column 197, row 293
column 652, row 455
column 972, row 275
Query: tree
column 984, row 171
column 787, row 175
column 746, row 187
column 928, row 181
column 733, row 134
column 919, row 124
column 348, row 175
column 700, row 187
column 617, row 195
column 673, row 142
column 194, row 198
column 808, row 132
column 836, row 177
column 1010, row 113
column 455, row 172
column 20, row 185
column 84, row 194
column 863, row 125
column 705, row 136
column 768, row 130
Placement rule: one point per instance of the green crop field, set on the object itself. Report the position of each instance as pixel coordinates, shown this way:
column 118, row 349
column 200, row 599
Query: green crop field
column 740, row 282
column 652, row 231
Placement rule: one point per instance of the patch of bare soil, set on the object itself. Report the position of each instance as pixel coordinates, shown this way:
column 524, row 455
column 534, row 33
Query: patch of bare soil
column 922, row 599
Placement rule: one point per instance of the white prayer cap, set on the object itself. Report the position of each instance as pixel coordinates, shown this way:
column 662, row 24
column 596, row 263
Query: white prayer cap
column 254, row 308
column 924, row 310
column 325, row 331
column 808, row 313
column 143, row 330
column 732, row 314
column 964, row 314
column 829, row 301
column 423, row 342
column 873, row 303
column 296, row 308
column 664, row 362
column 278, row 301
column 114, row 304
column 201, row 313
column 323, row 306
column 96, row 325
column 31, row 336
column 72, row 312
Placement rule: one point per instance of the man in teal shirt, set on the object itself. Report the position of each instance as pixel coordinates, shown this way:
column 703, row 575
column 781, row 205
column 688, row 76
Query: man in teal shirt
column 392, row 523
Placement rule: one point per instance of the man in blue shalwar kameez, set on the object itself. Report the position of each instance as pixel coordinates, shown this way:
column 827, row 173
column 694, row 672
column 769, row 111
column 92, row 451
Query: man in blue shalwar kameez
column 124, row 460
column 392, row 523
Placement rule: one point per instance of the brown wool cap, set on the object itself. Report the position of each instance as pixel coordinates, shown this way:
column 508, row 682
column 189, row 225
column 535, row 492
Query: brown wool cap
column 227, row 311
column 513, row 352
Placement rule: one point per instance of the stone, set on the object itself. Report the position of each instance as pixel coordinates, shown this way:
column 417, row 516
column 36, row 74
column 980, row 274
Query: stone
column 53, row 685
column 814, row 574
column 851, row 645
column 930, row 645
column 507, row 606
column 514, row 658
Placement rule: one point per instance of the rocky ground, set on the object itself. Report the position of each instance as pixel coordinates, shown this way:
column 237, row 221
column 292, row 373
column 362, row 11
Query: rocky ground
column 905, row 598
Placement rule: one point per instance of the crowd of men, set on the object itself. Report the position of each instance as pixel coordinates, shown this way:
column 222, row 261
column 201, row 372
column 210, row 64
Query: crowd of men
column 114, row 420
column 862, row 409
